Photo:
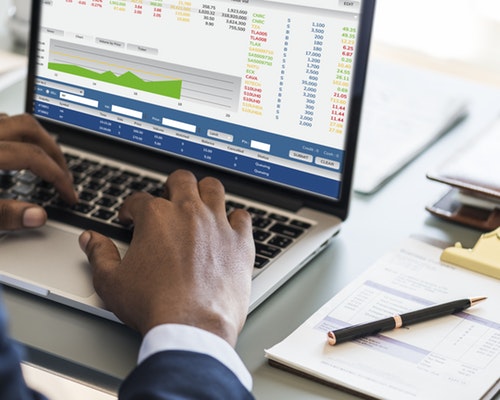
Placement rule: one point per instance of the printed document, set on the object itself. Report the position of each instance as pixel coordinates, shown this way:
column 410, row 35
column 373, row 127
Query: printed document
column 452, row 357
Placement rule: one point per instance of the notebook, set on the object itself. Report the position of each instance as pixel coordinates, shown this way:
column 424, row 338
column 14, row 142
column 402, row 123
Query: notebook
column 264, row 95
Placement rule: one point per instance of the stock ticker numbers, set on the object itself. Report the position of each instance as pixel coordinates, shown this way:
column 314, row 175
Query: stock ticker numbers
column 208, row 12
column 260, row 58
column 311, row 78
column 181, row 9
column 342, row 80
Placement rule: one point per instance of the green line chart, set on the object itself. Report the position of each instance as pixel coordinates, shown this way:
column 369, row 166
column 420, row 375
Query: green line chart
column 128, row 79
column 145, row 74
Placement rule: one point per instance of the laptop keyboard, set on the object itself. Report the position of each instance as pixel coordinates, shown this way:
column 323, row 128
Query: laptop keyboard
column 102, row 189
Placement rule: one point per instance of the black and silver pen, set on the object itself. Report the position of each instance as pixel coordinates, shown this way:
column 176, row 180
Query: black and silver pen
column 397, row 321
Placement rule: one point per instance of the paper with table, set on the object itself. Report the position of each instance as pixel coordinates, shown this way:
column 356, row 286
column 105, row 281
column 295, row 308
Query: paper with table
column 454, row 357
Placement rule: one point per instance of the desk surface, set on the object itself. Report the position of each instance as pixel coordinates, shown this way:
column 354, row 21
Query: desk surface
column 104, row 351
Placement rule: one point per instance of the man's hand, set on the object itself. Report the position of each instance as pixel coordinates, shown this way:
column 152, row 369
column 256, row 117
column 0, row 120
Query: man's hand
column 188, row 263
column 24, row 144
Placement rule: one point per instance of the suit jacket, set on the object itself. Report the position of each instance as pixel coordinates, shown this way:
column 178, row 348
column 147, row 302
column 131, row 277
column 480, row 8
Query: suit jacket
column 182, row 375
column 171, row 374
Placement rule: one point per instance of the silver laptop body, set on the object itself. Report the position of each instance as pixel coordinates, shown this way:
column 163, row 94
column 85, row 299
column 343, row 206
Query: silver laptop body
column 264, row 95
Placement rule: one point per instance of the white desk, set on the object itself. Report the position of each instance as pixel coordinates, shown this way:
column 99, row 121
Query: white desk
column 104, row 352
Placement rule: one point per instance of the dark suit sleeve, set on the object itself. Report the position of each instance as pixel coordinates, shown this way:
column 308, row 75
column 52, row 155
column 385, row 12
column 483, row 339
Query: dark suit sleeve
column 182, row 375
column 12, row 385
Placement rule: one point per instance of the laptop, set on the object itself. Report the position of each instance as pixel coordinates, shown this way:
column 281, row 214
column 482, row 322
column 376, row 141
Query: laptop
column 264, row 95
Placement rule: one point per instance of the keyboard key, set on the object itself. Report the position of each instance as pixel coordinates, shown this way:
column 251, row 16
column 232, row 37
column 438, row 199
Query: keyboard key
column 107, row 202
column 286, row 230
column 138, row 186
column 103, row 214
column 42, row 196
column 95, row 185
column 260, row 222
column 266, row 251
column 100, row 173
column 278, row 217
column 119, row 180
column 23, row 189
column 260, row 262
column 256, row 211
column 114, row 191
column 87, row 196
column 79, row 178
column 260, row 235
column 280, row 241
column 80, row 167
column 300, row 224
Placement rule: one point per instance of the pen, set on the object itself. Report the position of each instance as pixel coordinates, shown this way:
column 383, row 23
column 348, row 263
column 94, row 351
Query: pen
column 397, row 321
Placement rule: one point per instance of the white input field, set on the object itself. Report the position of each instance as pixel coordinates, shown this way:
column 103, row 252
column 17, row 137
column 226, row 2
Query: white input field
column 260, row 146
column 126, row 111
column 79, row 99
column 172, row 123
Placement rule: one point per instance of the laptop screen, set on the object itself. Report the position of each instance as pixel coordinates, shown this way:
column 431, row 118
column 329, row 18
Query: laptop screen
column 260, row 88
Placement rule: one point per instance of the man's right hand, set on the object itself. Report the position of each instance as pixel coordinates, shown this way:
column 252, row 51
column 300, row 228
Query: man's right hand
column 188, row 263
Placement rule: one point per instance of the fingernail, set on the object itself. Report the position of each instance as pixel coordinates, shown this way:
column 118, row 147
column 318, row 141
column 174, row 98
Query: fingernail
column 34, row 217
column 84, row 240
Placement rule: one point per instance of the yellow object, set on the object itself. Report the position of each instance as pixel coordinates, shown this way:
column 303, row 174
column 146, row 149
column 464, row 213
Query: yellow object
column 484, row 257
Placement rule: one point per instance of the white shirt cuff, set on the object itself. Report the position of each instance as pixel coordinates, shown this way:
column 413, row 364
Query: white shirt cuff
column 190, row 338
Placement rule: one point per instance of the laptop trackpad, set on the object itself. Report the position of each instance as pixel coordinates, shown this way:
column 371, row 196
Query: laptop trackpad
column 48, row 257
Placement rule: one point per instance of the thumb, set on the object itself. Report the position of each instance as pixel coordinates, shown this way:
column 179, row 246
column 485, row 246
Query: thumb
column 19, row 215
column 103, row 257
